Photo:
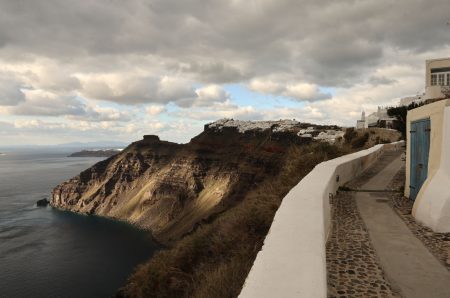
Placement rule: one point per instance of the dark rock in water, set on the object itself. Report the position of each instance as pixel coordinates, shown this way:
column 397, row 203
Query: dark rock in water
column 95, row 153
column 42, row 203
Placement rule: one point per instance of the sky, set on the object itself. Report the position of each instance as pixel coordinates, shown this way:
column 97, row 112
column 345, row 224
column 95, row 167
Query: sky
column 93, row 70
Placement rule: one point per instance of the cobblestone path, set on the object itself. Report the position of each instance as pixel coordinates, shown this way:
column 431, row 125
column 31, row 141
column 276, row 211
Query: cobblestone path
column 353, row 267
column 374, row 251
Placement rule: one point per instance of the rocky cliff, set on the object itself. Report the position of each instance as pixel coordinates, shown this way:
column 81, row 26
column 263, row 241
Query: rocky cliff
column 171, row 188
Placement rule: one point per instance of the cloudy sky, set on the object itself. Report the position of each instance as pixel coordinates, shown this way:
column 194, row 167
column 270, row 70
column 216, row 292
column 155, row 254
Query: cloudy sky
column 114, row 70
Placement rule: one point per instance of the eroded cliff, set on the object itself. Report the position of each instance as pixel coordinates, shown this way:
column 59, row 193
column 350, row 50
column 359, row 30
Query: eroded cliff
column 171, row 188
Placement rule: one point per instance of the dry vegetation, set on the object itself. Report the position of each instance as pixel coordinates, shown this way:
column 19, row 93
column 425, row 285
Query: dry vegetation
column 366, row 138
column 214, row 260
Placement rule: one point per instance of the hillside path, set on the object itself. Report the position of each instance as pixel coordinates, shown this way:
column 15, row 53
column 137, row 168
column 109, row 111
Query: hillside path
column 411, row 269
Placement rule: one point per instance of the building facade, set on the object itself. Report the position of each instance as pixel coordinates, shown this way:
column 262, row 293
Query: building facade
column 361, row 124
column 380, row 118
column 428, row 164
column 406, row 101
column 437, row 78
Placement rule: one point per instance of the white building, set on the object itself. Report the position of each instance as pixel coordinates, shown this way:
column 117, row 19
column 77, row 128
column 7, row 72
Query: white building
column 380, row 118
column 329, row 136
column 406, row 101
column 437, row 78
column 428, row 154
column 428, row 164
column 361, row 124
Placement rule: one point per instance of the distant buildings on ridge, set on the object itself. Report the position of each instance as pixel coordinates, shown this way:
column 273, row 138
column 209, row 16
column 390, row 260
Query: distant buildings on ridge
column 437, row 86
column 380, row 118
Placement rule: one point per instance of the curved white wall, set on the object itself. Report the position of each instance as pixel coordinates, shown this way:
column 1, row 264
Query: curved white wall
column 432, row 206
column 292, row 262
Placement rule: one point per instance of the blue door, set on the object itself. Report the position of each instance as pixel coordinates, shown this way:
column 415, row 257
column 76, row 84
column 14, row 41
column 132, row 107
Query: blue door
column 420, row 149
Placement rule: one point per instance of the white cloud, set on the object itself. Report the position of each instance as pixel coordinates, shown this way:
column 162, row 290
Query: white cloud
column 305, row 92
column 44, row 103
column 219, row 110
column 102, row 114
column 209, row 95
column 129, row 88
column 107, row 68
column 154, row 110
column 174, row 89
column 266, row 86
column 297, row 91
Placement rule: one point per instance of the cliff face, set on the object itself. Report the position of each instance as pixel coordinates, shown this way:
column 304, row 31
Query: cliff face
column 170, row 188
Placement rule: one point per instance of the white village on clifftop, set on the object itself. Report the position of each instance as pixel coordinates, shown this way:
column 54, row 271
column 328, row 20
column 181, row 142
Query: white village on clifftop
column 225, row 149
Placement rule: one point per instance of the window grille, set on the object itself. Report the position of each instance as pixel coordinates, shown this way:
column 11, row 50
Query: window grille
column 433, row 80
column 441, row 79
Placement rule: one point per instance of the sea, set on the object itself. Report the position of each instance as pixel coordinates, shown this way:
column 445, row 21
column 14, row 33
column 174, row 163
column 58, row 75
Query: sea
column 45, row 252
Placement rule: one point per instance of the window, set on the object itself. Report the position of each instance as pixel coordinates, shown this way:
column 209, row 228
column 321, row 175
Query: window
column 433, row 80
column 448, row 79
column 441, row 79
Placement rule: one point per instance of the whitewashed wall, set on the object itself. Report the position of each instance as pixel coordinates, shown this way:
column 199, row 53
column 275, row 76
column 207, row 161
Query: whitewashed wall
column 432, row 206
column 292, row 262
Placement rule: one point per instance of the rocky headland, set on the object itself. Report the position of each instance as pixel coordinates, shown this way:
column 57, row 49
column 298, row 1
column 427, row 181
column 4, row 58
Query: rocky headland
column 170, row 188
column 210, row 201
column 95, row 153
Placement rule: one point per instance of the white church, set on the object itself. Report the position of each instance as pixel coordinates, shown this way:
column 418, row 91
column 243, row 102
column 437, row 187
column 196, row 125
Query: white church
column 380, row 118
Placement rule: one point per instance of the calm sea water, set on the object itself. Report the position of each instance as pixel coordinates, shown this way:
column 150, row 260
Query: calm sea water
column 49, row 253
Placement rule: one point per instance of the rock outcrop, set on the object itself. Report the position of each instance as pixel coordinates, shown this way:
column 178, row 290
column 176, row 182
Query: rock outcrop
column 171, row 188
column 42, row 203
column 95, row 153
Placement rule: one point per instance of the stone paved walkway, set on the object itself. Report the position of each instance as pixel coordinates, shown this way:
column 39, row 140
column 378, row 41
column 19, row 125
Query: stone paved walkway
column 437, row 243
column 407, row 263
column 371, row 252
column 353, row 266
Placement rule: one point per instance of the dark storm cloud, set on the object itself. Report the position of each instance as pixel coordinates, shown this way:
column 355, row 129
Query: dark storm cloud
column 381, row 81
column 332, row 43
column 43, row 105
column 10, row 92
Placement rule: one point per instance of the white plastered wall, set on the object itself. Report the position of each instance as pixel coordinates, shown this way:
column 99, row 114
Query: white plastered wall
column 432, row 205
column 435, row 112
column 292, row 262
